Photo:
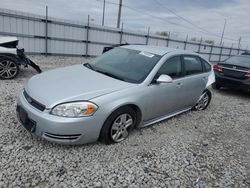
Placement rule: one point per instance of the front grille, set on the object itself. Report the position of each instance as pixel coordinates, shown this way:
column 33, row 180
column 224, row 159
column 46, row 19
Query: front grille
column 29, row 124
column 33, row 102
column 62, row 137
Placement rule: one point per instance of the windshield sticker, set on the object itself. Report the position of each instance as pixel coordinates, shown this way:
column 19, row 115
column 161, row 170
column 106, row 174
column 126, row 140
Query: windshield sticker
column 147, row 54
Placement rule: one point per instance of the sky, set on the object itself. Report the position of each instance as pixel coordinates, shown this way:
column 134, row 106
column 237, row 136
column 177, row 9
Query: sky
column 195, row 18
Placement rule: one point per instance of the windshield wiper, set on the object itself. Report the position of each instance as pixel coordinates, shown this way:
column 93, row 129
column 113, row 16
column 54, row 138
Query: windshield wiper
column 110, row 74
column 89, row 66
column 103, row 72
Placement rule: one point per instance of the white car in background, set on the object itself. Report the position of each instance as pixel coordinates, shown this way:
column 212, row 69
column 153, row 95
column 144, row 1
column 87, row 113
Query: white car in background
column 12, row 57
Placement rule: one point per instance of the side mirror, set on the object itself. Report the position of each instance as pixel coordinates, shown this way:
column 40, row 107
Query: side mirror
column 164, row 79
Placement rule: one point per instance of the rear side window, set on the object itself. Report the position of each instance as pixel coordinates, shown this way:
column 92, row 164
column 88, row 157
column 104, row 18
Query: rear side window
column 207, row 66
column 192, row 65
column 172, row 67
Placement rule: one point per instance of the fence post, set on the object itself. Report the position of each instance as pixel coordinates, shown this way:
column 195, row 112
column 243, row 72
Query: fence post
column 199, row 48
column 46, row 32
column 185, row 43
column 168, row 39
column 121, row 32
column 87, row 39
column 147, row 36
column 211, row 50
column 230, row 51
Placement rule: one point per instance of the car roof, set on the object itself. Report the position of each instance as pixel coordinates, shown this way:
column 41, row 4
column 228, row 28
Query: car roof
column 159, row 50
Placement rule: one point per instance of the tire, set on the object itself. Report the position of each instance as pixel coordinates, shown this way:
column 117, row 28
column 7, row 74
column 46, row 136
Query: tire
column 9, row 68
column 203, row 103
column 115, row 125
column 216, row 86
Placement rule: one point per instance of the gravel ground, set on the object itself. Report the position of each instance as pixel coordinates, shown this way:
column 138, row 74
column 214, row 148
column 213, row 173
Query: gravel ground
column 195, row 149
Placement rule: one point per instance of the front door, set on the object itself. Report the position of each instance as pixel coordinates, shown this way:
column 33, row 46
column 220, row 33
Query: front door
column 165, row 98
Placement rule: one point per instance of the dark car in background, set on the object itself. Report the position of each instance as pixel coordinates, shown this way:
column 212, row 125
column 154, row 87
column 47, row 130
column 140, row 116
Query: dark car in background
column 233, row 73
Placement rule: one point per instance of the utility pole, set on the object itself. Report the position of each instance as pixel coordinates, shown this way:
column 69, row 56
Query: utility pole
column 147, row 36
column 119, row 14
column 46, row 32
column 223, row 32
column 239, row 43
column 103, row 12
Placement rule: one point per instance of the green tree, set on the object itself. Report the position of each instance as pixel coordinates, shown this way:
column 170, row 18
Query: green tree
column 163, row 33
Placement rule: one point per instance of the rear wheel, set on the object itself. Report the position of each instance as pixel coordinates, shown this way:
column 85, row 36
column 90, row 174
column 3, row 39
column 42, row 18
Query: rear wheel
column 118, row 125
column 204, row 101
column 9, row 68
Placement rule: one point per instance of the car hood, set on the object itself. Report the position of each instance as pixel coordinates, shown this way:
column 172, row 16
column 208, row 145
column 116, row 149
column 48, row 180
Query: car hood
column 71, row 83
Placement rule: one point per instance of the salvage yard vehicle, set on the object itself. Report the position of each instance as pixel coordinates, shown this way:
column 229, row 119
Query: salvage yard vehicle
column 233, row 73
column 12, row 57
column 125, row 88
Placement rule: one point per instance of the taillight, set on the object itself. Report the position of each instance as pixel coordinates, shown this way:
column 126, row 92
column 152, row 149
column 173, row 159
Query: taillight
column 247, row 74
column 218, row 68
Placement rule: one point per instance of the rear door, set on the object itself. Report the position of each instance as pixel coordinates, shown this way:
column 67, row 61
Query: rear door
column 195, row 80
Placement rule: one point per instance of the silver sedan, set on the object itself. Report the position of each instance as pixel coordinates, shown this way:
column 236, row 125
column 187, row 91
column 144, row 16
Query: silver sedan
column 125, row 88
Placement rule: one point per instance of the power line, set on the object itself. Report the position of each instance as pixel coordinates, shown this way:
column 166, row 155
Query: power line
column 173, row 23
column 160, row 4
column 217, row 12
column 147, row 14
column 186, row 20
column 164, row 20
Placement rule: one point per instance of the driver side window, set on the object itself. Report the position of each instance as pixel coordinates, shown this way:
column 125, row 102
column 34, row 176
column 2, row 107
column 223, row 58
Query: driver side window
column 172, row 67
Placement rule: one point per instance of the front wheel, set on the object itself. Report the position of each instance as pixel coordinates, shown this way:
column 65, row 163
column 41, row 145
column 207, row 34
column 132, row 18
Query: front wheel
column 204, row 101
column 9, row 68
column 118, row 125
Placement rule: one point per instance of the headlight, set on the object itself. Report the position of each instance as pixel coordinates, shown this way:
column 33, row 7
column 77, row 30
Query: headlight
column 74, row 109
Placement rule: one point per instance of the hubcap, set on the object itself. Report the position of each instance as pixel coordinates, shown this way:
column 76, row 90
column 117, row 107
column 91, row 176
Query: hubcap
column 202, row 102
column 8, row 69
column 120, row 127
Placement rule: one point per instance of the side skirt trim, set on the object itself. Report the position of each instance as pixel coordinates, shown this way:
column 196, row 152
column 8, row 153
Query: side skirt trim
column 147, row 123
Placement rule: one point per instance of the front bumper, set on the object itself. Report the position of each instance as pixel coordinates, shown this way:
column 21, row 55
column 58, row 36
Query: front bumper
column 61, row 129
column 233, row 83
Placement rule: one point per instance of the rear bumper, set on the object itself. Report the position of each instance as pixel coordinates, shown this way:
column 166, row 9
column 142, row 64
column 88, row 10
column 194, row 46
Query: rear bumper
column 233, row 83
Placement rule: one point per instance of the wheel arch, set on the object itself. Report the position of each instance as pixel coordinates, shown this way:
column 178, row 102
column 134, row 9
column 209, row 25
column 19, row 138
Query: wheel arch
column 11, row 56
column 208, row 91
column 135, row 107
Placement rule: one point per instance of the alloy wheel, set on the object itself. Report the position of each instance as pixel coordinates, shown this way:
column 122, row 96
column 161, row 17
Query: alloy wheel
column 120, row 127
column 203, row 102
column 8, row 69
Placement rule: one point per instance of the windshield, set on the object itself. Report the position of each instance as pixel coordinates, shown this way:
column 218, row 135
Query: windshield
column 125, row 64
column 239, row 61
